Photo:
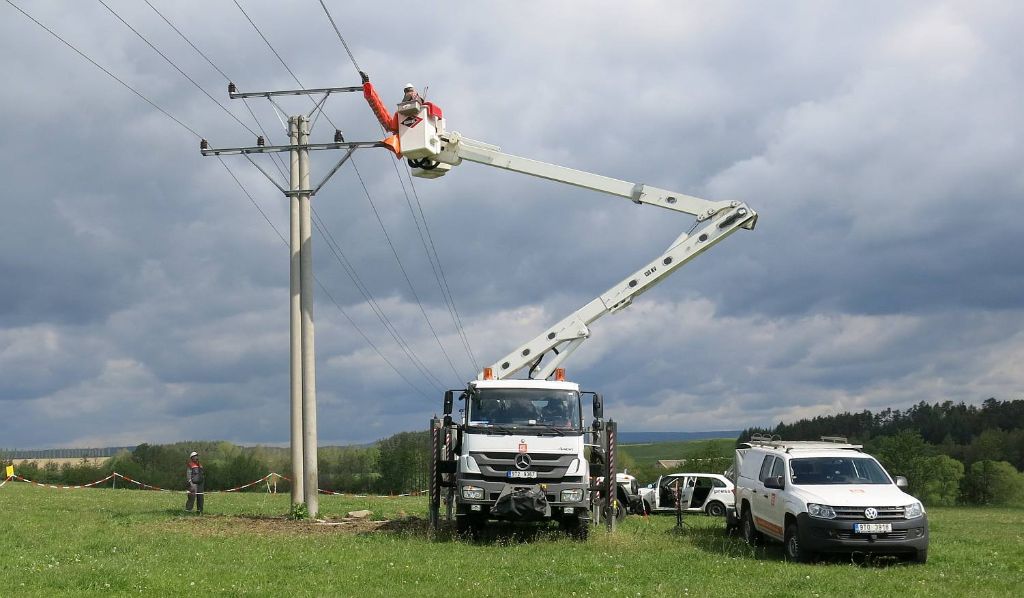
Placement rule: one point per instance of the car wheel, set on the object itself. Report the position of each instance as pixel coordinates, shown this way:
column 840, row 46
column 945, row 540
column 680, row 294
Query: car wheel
column 715, row 509
column 794, row 551
column 750, row 534
column 921, row 556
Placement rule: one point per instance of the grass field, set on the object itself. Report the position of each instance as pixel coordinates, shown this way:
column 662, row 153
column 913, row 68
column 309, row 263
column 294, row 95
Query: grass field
column 648, row 454
column 132, row 542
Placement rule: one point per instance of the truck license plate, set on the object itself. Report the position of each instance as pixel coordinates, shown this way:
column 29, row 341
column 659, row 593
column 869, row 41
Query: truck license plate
column 872, row 528
column 521, row 474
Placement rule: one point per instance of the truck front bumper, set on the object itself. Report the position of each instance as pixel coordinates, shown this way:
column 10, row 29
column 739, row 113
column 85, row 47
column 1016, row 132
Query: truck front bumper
column 494, row 489
column 831, row 535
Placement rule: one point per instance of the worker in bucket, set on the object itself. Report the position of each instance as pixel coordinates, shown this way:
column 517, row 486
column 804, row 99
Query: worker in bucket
column 194, row 478
column 411, row 95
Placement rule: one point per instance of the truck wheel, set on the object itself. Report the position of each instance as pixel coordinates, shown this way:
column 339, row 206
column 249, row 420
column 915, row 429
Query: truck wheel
column 470, row 526
column 715, row 509
column 575, row 528
column 921, row 556
column 794, row 552
column 750, row 534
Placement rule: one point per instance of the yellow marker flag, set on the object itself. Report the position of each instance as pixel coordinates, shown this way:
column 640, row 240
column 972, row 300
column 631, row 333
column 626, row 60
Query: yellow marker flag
column 9, row 472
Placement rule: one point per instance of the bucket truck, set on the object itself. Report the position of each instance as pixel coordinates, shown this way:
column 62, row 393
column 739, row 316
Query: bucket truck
column 519, row 449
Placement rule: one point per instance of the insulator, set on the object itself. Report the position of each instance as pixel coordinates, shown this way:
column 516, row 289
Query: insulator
column 338, row 137
column 204, row 144
column 232, row 88
column 260, row 141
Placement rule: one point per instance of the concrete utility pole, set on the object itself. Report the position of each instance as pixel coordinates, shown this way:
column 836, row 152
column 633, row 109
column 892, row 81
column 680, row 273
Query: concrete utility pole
column 305, row 476
column 298, row 475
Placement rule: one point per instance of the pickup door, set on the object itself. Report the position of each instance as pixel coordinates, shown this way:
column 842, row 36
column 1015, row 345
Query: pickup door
column 767, row 503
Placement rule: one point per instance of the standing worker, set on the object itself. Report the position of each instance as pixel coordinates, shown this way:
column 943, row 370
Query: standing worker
column 194, row 478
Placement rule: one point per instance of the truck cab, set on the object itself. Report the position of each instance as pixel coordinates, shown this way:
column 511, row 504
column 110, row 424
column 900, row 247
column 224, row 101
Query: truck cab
column 519, row 455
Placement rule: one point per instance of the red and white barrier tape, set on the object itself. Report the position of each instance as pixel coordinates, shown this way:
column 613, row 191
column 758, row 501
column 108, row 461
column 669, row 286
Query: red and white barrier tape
column 159, row 489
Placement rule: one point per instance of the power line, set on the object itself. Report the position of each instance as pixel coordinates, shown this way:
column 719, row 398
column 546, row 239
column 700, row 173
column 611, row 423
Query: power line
column 320, row 284
column 401, row 267
column 273, row 157
column 340, row 37
column 442, row 280
column 110, row 74
column 405, row 274
column 237, row 181
column 183, row 73
column 339, row 255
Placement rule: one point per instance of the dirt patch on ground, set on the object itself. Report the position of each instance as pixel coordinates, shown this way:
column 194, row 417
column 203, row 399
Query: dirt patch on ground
column 225, row 525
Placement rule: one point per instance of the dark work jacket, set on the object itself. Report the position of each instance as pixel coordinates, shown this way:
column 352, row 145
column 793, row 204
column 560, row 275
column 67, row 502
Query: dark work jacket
column 194, row 473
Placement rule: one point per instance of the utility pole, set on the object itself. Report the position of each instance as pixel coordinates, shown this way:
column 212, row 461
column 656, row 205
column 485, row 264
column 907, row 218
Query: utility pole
column 298, row 475
column 304, row 446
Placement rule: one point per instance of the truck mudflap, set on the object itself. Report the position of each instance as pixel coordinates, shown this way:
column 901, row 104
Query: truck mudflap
column 522, row 504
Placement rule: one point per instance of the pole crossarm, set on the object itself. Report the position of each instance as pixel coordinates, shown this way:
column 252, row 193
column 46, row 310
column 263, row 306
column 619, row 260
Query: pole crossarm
column 270, row 149
column 235, row 95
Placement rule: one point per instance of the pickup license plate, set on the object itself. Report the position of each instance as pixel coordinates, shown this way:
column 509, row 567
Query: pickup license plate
column 521, row 474
column 872, row 528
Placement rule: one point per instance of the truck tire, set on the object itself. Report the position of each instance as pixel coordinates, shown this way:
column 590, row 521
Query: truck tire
column 715, row 509
column 470, row 526
column 750, row 534
column 794, row 551
column 575, row 528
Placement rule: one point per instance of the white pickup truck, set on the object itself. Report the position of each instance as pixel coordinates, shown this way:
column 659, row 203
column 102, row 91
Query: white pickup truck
column 828, row 496
column 708, row 492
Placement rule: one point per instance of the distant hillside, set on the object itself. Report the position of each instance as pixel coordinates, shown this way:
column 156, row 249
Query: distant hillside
column 651, row 437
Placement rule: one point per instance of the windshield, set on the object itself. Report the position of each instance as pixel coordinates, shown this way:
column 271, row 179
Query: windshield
column 837, row 470
column 514, row 407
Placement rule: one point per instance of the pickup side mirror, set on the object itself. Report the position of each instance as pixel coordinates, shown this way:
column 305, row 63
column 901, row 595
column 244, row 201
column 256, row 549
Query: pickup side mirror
column 449, row 399
column 598, row 406
column 776, row 483
column 901, row 482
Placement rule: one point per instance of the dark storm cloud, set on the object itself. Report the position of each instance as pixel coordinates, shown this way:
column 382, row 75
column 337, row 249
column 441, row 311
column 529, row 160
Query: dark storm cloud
column 145, row 299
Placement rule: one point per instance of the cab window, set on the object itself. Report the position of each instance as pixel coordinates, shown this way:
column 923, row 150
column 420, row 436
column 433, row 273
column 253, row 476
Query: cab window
column 779, row 469
column 766, row 467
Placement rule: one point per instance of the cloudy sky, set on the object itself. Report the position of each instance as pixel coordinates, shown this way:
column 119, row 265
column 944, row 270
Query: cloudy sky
column 144, row 298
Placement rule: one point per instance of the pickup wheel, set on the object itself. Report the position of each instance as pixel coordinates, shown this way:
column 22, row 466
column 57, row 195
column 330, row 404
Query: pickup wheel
column 750, row 534
column 715, row 509
column 921, row 556
column 795, row 552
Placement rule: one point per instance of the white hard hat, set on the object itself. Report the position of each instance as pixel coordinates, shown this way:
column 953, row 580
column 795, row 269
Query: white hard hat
column 193, row 454
column 408, row 86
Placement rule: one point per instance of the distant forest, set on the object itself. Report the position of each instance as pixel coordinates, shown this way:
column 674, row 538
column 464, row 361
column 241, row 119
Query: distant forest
column 950, row 452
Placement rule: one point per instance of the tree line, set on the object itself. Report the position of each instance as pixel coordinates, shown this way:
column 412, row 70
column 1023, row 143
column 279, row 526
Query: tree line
column 950, row 453
column 396, row 464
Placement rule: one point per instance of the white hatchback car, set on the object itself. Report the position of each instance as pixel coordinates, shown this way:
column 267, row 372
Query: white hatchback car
column 708, row 492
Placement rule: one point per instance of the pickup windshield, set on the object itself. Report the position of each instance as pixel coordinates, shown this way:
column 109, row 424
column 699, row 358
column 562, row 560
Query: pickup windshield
column 519, row 407
column 836, row 470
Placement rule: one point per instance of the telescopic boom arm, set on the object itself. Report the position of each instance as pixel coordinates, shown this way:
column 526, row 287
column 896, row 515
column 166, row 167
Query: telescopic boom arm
column 421, row 138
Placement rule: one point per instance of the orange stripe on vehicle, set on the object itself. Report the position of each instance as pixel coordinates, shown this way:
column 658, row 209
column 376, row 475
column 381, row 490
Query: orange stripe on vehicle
column 776, row 529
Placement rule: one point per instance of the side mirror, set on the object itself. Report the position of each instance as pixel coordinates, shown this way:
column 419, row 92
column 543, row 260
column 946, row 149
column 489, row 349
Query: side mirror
column 776, row 483
column 449, row 399
column 598, row 406
column 901, row 482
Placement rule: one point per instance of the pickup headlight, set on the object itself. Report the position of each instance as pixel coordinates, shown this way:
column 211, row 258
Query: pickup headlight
column 914, row 511
column 472, row 493
column 574, row 495
column 821, row 511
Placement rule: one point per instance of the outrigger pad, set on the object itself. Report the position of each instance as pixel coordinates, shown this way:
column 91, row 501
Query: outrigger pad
column 522, row 504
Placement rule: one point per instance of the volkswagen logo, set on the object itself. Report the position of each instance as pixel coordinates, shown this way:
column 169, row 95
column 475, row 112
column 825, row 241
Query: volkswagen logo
column 523, row 461
column 870, row 512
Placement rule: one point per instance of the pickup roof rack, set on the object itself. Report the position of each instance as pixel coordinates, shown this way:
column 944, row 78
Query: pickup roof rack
column 776, row 442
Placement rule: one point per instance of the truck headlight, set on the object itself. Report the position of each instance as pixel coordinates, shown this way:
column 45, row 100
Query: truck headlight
column 821, row 511
column 472, row 493
column 573, row 495
column 913, row 511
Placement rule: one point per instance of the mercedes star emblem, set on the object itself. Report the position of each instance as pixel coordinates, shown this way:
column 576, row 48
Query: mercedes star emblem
column 523, row 461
